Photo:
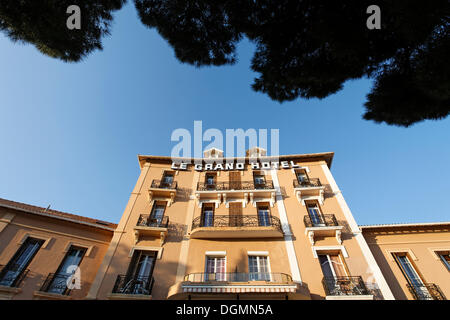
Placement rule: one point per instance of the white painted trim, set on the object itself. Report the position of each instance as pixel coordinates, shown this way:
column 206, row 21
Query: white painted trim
column 258, row 253
column 292, row 257
column 328, row 248
column 145, row 248
column 372, row 263
column 215, row 253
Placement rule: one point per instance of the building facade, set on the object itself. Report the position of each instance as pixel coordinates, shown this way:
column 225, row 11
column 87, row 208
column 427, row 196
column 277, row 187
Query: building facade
column 257, row 227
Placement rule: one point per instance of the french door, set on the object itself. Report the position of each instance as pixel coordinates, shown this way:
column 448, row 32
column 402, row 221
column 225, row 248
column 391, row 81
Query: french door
column 315, row 215
column 140, row 271
column 258, row 267
column 157, row 214
column 264, row 216
column 412, row 276
column 64, row 276
column 19, row 262
column 208, row 216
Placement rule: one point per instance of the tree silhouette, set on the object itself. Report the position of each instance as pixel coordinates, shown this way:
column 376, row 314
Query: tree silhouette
column 304, row 48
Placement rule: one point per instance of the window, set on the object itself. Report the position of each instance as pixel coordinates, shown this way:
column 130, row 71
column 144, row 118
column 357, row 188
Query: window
column 167, row 180
column 264, row 216
column 157, row 214
column 210, row 180
column 302, row 177
column 315, row 214
column 258, row 268
column 259, row 180
column 215, row 268
column 139, row 276
column 332, row 265
column 412, row 276
column 12, row 272
column 64, row 274
column 445, row 258
column 208, row 216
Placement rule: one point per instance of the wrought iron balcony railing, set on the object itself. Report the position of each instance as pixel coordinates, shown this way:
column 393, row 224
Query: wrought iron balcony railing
column 145, row 220
column 427, row 291
column 325, row 220
column 223, row 221
column 12, row 275
column 58, row 283
column 344, row 286
column 160, row 184
column 308, row 183
column 133, row 285
column 234, row 185
column 239, row 277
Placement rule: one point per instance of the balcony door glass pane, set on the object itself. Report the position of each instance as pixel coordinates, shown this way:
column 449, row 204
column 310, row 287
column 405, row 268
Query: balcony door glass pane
column 301, row 176
column 413, row 277
column 264, row 216
column 167, row 180
column 314, row 213
column 66, row 270
column 215, row 269
column 157, row 214
column 259, row 181
column 20, row 261
column 327, row 270
column 409, row 270
column 208, row 217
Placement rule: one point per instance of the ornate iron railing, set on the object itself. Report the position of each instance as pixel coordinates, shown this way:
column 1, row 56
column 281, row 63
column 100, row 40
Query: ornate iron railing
column 58, row 283
column 308, row 183
column 344, row 286
column 159, row 184
column 234, row 185
column 12, row 275
column 133, row 285
column 427, row 291
column 222, row 221
column 145, row 220
column 325, row 220
column 238, row 277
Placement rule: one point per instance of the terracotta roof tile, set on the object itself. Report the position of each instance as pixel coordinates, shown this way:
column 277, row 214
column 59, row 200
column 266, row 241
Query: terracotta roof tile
column 58, row 214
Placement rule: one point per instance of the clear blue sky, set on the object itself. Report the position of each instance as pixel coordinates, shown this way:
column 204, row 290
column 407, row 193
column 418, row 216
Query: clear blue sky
column 70, row 133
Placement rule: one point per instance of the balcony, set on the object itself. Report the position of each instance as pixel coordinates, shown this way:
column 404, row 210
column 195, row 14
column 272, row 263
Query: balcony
column 237, row 226
column 163, row 191
column 427, row 291
column 244, row 190
column 324, row 226
column 56, row 286
column 345, row 288
column 237, row 284
column 12, row 275
column 308, row 189
column 137, row 287
column 151, row 227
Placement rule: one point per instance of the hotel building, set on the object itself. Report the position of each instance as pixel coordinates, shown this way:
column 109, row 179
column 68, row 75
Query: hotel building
column 257, row 227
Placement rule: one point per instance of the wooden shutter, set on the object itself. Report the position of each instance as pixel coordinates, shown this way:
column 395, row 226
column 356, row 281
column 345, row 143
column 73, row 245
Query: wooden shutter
column 235, row 180
column 235, row 214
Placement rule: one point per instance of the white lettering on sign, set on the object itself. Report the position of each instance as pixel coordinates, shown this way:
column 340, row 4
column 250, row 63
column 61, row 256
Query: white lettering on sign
column 255, row 165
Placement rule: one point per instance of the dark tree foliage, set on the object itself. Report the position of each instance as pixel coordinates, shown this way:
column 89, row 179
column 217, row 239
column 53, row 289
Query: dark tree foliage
column 309, row 48
column 304, row 48
column 43, row 24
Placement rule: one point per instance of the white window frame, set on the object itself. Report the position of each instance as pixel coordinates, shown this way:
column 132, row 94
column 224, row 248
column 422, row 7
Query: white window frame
column 260, row 254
